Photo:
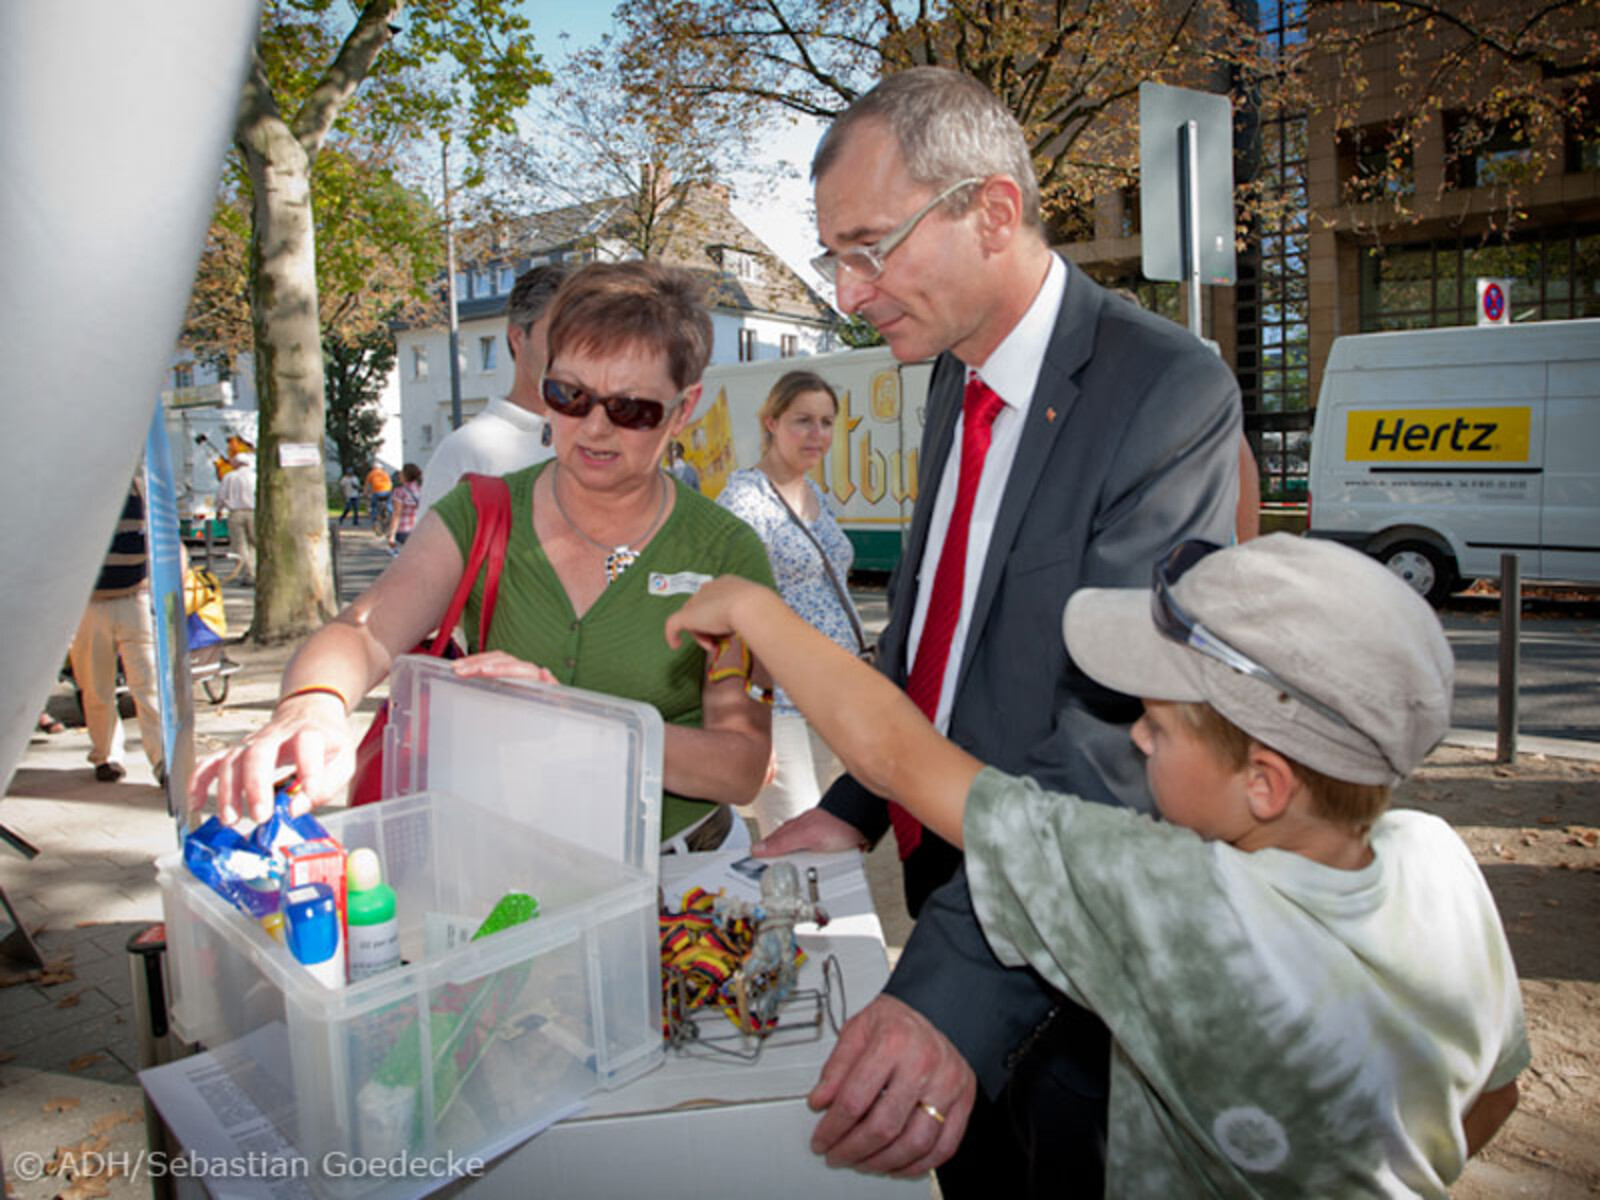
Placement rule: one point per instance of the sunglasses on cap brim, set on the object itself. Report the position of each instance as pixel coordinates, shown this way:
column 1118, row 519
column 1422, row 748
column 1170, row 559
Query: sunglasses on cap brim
column 625, row 412
column 1175, row 623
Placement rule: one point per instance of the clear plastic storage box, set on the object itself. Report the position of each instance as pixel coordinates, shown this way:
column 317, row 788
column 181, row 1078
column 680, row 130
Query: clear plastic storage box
column 470, row 1044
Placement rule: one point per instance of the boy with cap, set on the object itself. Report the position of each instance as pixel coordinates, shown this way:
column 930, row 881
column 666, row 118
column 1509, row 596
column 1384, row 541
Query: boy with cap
column 1308, row 996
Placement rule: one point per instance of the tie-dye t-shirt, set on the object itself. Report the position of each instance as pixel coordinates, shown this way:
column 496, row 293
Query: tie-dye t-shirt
column 1281, row 1028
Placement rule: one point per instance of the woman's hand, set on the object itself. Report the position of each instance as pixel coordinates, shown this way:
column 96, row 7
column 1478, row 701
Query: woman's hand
column 497, row 664
column 309, row 732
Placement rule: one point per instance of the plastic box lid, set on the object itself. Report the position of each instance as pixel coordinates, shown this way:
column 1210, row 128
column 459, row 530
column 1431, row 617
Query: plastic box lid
column 579, row 764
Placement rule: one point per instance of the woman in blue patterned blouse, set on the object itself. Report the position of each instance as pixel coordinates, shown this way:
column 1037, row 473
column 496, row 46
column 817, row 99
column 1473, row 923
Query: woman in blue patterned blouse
column 796, row 433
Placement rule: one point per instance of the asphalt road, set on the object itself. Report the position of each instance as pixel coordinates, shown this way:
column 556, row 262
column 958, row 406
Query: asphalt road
column 1558, row 694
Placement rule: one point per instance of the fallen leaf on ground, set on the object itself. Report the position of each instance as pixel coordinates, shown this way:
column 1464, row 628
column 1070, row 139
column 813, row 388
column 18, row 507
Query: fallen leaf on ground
column 111, row 1120
column 85, row 1060
column 71, row 1001
column 61, row 1104
column 6, row 1056
column 86, row 1187
column 57, row 972
column 75, row 1153
column 1581, row 836
column 1549, row 820
column 1505, row 772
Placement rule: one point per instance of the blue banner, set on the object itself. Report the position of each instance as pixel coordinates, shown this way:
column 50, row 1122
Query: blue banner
column 172, row 637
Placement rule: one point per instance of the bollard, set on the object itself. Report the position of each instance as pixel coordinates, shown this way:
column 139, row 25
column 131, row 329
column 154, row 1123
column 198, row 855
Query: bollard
column 1510, row 657
column 333, row 554
column 205, row 525
column 158, row 1044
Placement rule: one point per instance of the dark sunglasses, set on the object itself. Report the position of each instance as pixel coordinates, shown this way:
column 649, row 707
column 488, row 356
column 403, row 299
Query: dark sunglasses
column 1175, row 623
column 625, row 412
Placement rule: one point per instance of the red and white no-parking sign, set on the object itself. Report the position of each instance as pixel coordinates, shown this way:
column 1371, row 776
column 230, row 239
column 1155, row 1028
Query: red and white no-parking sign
column 1494, row 302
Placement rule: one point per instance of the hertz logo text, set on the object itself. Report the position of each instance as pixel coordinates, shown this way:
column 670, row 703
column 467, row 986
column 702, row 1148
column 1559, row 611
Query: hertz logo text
column 1465, row 435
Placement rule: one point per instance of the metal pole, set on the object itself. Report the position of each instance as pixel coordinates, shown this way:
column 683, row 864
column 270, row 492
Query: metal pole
column 450, row 283
column 333, row 553
column 1510, row 657
column 1191, row 221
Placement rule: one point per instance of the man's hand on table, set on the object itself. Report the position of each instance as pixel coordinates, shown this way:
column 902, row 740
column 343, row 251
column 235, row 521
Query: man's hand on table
column 889, row 1067
column 811, row 830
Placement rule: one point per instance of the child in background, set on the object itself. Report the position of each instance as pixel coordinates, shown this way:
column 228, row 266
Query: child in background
column 407, row 498
column 1308, row 995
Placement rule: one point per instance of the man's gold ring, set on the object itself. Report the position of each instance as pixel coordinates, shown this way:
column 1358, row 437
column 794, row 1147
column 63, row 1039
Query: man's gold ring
column 932, row 1112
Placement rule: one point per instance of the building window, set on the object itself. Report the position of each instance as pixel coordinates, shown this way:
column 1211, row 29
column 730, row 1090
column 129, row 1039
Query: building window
column 1375, row 163
column 427, row 436
column 486, row 353
column 183, row 375
column 1483, row 152
column 419, row 363
column 788, row 345
column 1554, row 275
column 747, row 345
column 1074, row 222
column 1130, row 211
column 508, row 279
column 1273, row 351
column 483, row 282
column 1583, row 131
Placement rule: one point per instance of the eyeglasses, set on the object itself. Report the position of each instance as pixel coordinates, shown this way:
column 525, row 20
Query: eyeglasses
column 1175, row 623
column 866, row 262
column 625, row 412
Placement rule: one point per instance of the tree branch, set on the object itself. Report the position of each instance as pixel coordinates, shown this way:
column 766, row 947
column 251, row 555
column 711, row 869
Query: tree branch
column 344, row 75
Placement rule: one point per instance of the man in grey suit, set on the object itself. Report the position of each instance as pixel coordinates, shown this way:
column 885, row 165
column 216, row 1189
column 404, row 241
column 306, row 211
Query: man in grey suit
column 1070, row 440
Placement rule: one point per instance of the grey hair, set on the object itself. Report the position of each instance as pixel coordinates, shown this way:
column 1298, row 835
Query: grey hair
column 948, row 126
column 531, row 295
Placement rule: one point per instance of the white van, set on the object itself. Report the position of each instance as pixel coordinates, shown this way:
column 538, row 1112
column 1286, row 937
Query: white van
column 1437, row 450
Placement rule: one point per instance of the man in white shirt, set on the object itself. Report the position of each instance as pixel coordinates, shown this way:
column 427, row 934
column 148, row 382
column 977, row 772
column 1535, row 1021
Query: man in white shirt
column 236, row 495
column 1070, row 440
column 508, row 434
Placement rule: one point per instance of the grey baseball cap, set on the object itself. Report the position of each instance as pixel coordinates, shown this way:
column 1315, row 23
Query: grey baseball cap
column 1327, row 621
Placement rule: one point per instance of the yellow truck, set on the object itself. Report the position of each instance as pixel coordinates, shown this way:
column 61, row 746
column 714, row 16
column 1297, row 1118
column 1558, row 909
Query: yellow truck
column 871, row 472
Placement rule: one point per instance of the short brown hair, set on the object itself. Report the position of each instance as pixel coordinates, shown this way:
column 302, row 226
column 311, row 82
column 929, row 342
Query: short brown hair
column 789, row 388
column 531, row 295
column 609, row 306
column 1353, row 805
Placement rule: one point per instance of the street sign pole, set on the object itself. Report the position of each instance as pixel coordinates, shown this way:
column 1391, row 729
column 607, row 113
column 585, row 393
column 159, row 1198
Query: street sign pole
column 1190, row 152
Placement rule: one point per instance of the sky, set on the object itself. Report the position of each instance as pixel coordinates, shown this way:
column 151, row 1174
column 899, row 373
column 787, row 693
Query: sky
column 779, row 213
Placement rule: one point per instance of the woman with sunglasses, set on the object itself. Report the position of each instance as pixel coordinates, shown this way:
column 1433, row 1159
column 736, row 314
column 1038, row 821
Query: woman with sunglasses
column 604, row 546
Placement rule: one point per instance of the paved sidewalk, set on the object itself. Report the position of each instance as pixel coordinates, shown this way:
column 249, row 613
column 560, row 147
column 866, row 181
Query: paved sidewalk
column 69, row 1044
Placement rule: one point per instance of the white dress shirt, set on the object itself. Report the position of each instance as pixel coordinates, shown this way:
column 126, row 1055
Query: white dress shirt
column 1012, row 371
column 502, row 438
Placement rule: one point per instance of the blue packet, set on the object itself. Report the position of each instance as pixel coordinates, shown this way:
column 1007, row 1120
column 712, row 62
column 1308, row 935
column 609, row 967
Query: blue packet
column 248, row 871
column 229, row 864
column 280, row 829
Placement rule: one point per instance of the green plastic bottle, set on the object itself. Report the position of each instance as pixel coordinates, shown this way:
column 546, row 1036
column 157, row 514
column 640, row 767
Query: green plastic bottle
column 373, row 932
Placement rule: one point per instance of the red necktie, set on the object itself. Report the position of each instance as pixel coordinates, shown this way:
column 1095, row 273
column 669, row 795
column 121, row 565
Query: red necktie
column 979, row 407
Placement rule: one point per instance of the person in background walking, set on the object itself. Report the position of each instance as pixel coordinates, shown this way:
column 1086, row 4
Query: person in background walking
column 119, row 621
column 407, row 502
column 810, row 560
column 350, row 488
column 682, row 467
column 237, row 497
column 379, row 488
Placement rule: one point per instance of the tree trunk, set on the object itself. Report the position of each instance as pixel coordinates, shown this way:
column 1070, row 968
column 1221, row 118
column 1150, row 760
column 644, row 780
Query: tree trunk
column 294, row 581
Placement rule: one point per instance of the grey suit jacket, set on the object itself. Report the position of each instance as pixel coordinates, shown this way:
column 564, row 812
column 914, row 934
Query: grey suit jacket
column 1131, row 446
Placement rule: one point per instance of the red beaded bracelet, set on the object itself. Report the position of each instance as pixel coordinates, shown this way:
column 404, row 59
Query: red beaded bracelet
column 316, row 689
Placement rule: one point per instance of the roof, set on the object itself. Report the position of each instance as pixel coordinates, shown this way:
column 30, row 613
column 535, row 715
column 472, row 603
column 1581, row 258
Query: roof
column 699, row 232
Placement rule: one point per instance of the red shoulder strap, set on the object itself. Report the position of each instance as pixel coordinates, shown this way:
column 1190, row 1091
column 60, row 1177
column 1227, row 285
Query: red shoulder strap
column 492, row 498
